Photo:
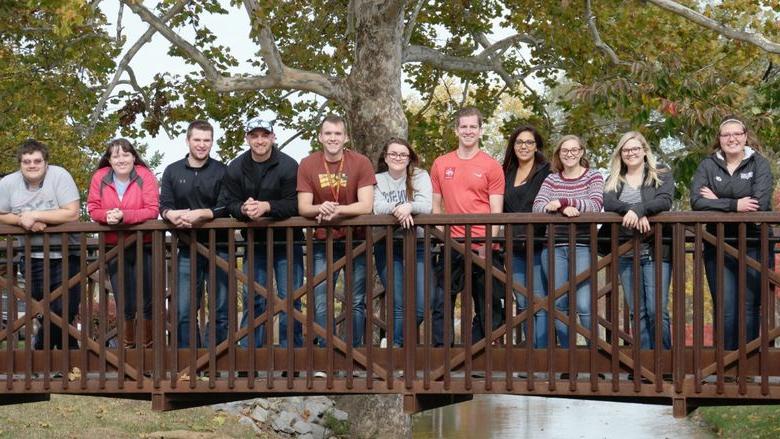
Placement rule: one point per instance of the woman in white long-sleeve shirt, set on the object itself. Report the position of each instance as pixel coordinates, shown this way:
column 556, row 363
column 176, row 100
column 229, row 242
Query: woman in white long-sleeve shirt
column 402, row 190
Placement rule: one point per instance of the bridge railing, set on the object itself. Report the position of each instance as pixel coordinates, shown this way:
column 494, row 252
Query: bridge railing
column 490, row 338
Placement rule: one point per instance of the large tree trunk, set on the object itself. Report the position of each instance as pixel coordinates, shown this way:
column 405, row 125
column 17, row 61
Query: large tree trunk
column 376, row 416
column 373, row 107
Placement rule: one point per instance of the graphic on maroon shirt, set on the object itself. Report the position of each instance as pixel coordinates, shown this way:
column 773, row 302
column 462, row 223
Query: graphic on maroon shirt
column 330, row 180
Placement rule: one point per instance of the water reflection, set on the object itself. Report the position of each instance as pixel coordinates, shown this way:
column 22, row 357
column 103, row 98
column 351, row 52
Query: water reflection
column 508, row 416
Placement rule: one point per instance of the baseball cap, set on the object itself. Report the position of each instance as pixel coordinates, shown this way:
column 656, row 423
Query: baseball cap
column 258, row 123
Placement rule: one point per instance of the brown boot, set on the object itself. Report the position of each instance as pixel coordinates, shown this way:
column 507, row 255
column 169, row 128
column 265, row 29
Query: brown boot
column 129, row 335
column 148, row 328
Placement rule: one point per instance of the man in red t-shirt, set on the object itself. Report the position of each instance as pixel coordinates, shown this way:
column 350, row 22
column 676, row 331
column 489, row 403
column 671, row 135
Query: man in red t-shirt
column 337, row 183
column 468, row 180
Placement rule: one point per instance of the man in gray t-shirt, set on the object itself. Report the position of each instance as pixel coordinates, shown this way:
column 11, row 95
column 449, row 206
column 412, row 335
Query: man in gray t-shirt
column 36, row 196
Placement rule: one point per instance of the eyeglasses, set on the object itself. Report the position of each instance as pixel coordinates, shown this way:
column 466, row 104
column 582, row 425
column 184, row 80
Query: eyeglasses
column 527, row 144
column 731, row 135
column 571, row 152
column 631, row 151
column 32, row 162
column 397, row 155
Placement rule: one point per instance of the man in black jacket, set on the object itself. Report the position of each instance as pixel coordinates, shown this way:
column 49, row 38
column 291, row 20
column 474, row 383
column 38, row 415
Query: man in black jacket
column 189, row 193
column 261, row 183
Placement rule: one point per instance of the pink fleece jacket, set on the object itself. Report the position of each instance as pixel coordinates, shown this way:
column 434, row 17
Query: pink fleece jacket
column 140, row 203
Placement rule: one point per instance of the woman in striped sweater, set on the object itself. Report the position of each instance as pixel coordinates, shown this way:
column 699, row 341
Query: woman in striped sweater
column 572, row 188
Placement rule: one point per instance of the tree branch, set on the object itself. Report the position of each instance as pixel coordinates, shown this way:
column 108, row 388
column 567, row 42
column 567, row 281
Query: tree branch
column 485, row 61
column 498, row 66
column 125, row 62
column 268, row 48
column 414, row 53
column 425, row 106
column 280, row 76
column 508, row 42
column 409, row 28
column 465, row 96
column 754, row 38
column 351, row 18
column 119, row 26
column 318, row 116
column 600, row 44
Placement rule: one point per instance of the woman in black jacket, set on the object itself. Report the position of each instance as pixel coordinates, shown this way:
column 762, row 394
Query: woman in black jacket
column 525, row 168
column 637, row 188
column 734, row 178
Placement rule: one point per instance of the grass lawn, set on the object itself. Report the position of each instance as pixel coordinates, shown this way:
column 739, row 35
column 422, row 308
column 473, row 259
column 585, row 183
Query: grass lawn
column 67, row 416
column 742, row 422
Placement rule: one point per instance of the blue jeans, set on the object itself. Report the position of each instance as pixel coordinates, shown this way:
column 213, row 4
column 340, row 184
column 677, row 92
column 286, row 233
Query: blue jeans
column 647, row 305
column 37, row 288
column 281, row 265
column 581, row 259
column 380, row 253
column 731, row 294
column 358, row 293
column 130, row 287
column 519, row 273
column 217, row 296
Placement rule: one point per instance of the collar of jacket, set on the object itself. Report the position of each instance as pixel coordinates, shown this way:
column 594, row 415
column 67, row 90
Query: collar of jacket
column 246, row 163
column 538, row 167
column 718, row 157
column 187, row 162
column 109, row 177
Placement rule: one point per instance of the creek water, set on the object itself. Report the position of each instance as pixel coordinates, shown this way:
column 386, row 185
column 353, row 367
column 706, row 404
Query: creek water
column 510, row 416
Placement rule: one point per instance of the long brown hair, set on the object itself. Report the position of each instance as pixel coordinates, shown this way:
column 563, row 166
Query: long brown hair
column 511, row 162
column 381, row 163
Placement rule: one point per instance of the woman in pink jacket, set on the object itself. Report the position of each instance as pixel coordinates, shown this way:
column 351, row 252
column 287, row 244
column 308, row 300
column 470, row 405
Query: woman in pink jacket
column 125, row 191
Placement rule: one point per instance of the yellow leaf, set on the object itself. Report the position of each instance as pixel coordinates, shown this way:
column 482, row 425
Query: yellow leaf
column 74, row 374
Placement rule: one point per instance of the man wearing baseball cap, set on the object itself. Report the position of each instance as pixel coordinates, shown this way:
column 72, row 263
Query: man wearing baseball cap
column 260, row 183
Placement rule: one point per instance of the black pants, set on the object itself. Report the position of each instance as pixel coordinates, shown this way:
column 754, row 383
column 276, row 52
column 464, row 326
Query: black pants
column 131, row 286
column 457, row 284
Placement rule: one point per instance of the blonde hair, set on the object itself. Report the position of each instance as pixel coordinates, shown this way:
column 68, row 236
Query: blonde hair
column 555, row 162
column 618, row 169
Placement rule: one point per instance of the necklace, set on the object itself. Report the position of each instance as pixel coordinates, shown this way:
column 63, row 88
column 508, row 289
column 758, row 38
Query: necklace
column 334, row 179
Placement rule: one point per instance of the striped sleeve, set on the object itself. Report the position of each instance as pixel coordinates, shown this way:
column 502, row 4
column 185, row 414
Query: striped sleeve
column 593, row 199
column 543, row 196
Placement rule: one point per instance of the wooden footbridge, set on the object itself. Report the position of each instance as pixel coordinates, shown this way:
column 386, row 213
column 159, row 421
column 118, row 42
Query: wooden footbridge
column 605, row 362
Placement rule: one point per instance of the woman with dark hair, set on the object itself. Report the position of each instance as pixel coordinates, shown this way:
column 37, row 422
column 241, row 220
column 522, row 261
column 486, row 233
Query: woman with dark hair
column 572, row 188
column 637, row 187
column 525, row 169
column 402, row 190
column 734, row 178
column 124, row 190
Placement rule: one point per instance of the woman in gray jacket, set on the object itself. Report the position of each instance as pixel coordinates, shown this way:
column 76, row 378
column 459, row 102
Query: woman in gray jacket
column 402, row 190
column 636, row 189
column 734, row 178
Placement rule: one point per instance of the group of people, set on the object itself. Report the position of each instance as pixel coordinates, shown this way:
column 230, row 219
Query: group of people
column 337, row 183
